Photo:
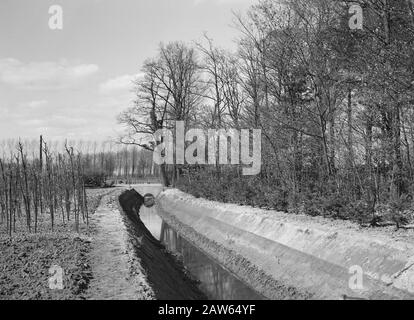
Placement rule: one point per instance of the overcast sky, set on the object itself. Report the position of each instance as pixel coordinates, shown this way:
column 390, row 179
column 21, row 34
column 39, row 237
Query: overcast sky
column 72, row 83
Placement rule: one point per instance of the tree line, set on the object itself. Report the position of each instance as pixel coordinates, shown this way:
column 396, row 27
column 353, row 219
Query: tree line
column 334, row 106
column 33, row 185
column 43, row 184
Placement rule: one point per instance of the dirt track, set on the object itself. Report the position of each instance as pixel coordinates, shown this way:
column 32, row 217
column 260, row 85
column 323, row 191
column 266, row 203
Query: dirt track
column 116, row 273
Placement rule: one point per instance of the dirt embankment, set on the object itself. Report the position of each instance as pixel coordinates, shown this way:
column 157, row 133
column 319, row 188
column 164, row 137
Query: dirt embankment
column 166, row 277
column 117, row 274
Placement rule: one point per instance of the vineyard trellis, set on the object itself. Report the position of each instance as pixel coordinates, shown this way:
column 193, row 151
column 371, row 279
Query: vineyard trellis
column 41, row 187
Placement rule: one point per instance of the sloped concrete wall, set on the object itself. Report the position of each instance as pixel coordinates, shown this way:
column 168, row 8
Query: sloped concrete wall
column 313, row 257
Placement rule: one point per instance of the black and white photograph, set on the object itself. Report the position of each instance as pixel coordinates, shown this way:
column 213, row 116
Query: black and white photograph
column 206, row 157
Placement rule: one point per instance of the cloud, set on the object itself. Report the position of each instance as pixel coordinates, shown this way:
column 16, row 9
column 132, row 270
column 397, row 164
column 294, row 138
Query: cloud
column 55, row 121
column 35, row 104
column 3, row 111
column 118, row 84
column 43, row 75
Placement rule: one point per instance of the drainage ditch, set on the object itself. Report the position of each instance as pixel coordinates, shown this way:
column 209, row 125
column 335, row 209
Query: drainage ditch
column 177, row 269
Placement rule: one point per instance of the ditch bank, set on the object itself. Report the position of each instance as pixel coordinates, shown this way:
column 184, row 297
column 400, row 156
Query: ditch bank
column 117, row 273
column 165, row 275
column 294, row 257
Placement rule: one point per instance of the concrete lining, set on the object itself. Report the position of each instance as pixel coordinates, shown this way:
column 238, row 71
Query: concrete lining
column 313, row 258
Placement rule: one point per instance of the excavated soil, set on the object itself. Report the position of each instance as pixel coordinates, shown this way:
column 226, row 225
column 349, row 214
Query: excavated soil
column 165, row 275
column 117, row 274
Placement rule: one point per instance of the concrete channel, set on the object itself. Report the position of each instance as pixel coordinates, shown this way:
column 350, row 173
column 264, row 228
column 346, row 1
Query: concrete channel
column 234, row 252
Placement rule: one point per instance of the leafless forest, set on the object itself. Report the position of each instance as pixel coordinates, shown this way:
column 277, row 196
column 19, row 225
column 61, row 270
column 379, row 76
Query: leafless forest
column 334, row 106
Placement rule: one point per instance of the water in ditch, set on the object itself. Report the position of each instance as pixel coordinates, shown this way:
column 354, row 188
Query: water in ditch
column 215, row 281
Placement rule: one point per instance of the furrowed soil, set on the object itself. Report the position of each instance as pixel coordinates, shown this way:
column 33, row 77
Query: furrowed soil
column 25, row 259
column 116, row 258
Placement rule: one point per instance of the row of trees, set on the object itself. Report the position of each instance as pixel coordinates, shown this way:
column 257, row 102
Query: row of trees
column 46, row 183
column 334, row 104
column 108, row 158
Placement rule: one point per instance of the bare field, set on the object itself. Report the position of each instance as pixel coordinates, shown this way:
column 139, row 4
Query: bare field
column 25, row 259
